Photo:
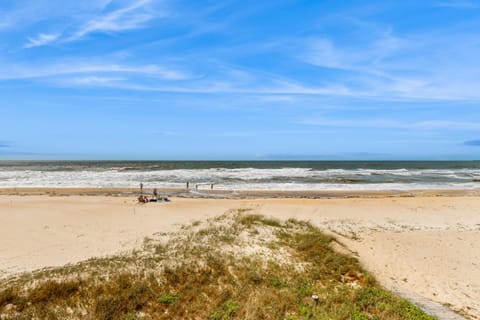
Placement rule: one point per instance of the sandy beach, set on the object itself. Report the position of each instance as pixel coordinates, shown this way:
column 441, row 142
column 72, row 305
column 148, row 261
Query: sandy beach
column 420, row 246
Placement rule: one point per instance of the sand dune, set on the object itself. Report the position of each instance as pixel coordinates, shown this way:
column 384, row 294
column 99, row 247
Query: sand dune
column 421, row 246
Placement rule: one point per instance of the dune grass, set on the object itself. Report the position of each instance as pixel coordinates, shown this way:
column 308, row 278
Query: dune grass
column 236, row 266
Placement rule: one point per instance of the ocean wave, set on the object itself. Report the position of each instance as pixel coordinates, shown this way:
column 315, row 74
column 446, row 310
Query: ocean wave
column 283, row 178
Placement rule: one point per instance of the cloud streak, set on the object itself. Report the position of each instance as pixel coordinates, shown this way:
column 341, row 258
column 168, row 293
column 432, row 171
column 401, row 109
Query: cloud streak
column 397, row 64
column 93, row 80
column 131, row 17
column 93, row 68
column 381, row 64
column 41, row 40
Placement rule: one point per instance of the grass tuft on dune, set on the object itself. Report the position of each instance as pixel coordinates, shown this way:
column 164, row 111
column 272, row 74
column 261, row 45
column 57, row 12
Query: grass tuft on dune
column 236, row 266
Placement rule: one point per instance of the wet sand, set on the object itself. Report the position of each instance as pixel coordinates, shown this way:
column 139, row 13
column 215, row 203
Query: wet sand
column 206, row 192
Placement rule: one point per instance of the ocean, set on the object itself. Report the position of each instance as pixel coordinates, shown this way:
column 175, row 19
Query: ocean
column 244, row 175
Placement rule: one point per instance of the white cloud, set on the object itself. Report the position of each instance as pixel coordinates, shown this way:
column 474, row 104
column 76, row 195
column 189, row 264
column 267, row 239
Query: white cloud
column 72, row 68
column 321, row 52
column 408, row 66
column 86, row 17
column 127, row 18
column 92, row 80
column 27, row 13
column 41, row 40
column 277, row 98
column 365, row 57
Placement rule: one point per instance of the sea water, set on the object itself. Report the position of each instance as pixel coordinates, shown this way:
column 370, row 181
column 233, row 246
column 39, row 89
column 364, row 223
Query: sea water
column 244, row 175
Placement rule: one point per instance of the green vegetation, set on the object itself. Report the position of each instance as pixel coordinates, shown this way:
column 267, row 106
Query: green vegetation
column 236, row 266
column 168, row 298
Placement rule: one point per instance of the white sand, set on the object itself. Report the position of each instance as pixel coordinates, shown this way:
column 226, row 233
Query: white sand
column 425, row 246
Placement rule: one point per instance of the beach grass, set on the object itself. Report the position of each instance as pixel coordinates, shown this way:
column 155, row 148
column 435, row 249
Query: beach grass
column 235, row 266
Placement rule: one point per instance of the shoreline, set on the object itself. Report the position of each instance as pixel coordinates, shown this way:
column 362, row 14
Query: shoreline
column 240, row 194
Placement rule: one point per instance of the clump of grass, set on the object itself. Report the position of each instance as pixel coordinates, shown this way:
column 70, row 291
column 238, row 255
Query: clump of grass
column 52, row 291
column 227, row 311
column 167, row 298
column 314, row 247
column 9, row 295
column 121, row 295
column 257, row 219
column 220, row 271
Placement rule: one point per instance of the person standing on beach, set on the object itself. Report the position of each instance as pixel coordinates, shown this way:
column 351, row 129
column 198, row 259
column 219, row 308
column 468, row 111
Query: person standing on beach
column 141, row 188
column 155, row 194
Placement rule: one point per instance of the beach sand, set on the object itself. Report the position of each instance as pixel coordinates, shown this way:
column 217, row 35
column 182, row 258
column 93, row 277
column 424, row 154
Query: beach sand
column 421, row 246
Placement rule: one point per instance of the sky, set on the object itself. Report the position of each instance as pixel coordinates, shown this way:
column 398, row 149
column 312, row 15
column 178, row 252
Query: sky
column 240, row 80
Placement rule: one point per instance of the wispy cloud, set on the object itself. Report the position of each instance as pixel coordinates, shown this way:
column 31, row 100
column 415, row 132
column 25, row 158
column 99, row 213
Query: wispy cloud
column 231, row 86
column 322, row 52
column 277, row 98
column 380, row 63
column 131, row 17
column 94, row 68
column 221, row 79
column 41, row 40
column 92, row 80
column 389, row 63
column 365, row 57
column 89, row 18
column 26, row 14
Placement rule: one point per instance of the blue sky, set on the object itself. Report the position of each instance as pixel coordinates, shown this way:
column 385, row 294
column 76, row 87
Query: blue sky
column 261, row 80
